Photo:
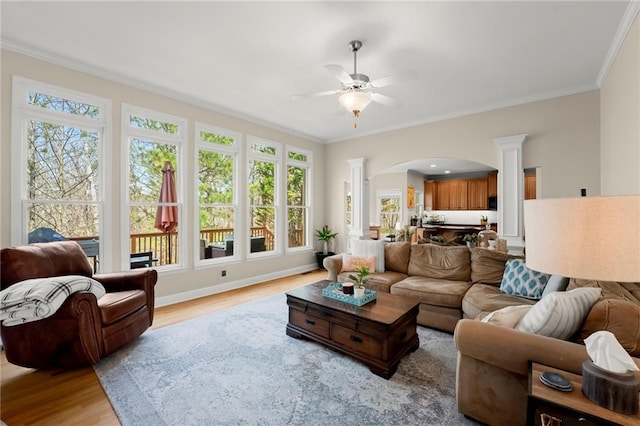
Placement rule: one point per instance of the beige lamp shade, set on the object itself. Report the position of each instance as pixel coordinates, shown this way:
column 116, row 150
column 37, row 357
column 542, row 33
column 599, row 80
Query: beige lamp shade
column 595, row 238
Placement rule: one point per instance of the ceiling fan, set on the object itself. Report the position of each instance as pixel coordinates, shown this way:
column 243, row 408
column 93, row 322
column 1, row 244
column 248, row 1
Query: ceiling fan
column 357, row 89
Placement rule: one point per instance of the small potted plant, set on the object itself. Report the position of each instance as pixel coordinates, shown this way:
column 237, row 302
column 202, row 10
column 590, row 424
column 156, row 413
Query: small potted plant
column 359, row 280
column 470, row 239
column 438, row 239
column 326, row 235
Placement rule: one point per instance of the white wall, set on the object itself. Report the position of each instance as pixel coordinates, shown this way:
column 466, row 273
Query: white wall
column 563, row 140
column 620, row 119
column 188, row 279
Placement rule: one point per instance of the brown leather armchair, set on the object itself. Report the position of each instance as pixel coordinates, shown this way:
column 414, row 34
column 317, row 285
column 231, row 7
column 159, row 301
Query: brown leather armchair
column 83, row 330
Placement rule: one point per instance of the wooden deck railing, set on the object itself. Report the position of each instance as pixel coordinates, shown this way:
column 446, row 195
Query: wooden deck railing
column 165, row 246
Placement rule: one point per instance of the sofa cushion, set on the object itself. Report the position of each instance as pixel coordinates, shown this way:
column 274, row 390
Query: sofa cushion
column 433, row 291
column 560, row 314
column 117, row 305
column 620, row 317
column 354, row 263
column 633, row 289
column 487, row 266
column 370, row 248
column 377, row 281
column 610, row 289
column 396, row 256
column 518, row 280
column 488, row 298
column 507, row 317
column 441, row 262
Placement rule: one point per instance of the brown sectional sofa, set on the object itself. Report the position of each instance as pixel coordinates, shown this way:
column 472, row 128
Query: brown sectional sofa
column 493, row 361
column 455, row 285
column 451, row 282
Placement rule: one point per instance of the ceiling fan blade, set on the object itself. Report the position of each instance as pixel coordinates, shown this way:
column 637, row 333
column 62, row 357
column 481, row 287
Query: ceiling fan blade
column 340, row 73
column 312, row 95
column 382, row 99
column 394, row 78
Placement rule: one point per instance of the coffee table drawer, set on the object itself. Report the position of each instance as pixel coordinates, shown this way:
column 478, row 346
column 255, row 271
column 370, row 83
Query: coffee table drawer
column 356, row 341
column 309, row 322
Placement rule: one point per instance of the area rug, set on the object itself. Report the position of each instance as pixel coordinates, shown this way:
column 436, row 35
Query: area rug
column 238, row 367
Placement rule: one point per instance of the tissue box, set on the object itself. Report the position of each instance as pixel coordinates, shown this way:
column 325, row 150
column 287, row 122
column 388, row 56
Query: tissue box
column 615, row 391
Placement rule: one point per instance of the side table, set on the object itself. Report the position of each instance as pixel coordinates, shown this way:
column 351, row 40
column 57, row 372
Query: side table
column 550, row 407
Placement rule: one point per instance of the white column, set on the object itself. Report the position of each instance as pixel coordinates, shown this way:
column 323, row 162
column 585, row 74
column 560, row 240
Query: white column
column 359, row 200
column 511, row 191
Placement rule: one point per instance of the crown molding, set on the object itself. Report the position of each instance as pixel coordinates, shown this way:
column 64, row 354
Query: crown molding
column 485, row 108
column 623, row 29
column 141, row 85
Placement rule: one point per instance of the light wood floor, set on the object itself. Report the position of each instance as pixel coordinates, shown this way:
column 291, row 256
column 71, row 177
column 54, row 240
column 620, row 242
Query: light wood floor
column 33, row 397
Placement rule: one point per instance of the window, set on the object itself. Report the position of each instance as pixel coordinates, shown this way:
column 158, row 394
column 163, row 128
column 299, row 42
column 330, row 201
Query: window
column 217, row 180
column 58, row 142
column 263, row 194
column 389, row 208
column 154, row 142
column 298, row 203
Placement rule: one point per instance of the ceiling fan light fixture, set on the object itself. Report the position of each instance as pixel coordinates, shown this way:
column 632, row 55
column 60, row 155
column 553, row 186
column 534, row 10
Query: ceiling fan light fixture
column 355, row 101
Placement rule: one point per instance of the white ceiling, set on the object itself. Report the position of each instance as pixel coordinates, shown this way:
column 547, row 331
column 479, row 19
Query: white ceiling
column 248, row 59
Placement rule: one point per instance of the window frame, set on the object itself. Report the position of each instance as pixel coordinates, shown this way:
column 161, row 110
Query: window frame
column 179, row 139
column 277, row 196
column 21, row 113
column 308, row 206
column 389, row 193
column 236, row 151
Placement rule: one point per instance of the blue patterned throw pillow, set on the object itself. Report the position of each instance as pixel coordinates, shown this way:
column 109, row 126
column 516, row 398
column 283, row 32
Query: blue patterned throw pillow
column 518, row 280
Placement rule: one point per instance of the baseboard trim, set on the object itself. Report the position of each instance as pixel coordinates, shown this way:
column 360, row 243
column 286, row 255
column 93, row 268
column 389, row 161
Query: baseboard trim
column 232, row 285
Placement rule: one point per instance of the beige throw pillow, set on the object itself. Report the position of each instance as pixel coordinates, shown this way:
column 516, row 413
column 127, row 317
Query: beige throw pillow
column 370, row 248
column 559, row 314
column 353, row 263
column 508, row 317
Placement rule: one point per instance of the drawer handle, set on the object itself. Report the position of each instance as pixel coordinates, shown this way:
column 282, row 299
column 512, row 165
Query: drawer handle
column 356, row 339
column 308, row 321
column 403, row 335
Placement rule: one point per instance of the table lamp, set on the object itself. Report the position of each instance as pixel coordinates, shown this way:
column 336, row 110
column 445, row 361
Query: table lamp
column 594, row 238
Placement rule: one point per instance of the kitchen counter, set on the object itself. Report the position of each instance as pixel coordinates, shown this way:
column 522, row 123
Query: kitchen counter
column 453, row 226
column 450, row 231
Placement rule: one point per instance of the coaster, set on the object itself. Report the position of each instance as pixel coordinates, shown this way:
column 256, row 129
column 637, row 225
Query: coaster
column 556, row 381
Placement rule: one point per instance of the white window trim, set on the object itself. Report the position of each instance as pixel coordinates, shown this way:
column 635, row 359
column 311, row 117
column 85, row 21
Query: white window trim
column 389, row 193
column 21, row 112
column 308, row 165
column 235, row 150
column 280, row 220
column 180, row 140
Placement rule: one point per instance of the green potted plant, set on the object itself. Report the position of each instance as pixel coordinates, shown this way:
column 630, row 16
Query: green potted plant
column 470, row 239
column 326, row 235
column 359, row 280
column 437, row 239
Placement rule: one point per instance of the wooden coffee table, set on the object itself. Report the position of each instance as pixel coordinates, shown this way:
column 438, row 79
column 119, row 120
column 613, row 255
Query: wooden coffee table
column 379, row 333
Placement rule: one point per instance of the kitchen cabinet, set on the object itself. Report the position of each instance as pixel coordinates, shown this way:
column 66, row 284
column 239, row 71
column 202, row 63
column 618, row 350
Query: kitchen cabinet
column 492, row 184
column 443, row 189
column 451, row 195
column 458, row 195
column 529, row 187
column 477, row 194
column 429, row 195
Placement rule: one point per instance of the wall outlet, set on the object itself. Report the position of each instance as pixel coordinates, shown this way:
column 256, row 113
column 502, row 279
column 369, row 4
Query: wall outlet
column 223, row 273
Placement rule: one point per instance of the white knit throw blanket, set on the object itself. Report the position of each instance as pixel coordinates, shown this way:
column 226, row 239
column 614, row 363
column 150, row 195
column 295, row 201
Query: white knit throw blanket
column 38, row 298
